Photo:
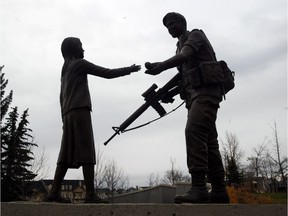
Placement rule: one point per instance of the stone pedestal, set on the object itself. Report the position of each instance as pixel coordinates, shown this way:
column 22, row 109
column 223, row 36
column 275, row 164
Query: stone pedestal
column 51, row 209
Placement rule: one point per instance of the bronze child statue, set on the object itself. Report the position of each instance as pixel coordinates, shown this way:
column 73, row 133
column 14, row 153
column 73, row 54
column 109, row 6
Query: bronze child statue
column 77, row 146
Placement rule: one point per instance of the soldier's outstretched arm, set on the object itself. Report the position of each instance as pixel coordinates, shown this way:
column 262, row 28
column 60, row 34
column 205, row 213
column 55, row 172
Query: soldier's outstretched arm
column 174, row 61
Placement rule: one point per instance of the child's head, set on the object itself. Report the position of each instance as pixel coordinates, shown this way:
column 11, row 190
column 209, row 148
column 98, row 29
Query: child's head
column 72, row 48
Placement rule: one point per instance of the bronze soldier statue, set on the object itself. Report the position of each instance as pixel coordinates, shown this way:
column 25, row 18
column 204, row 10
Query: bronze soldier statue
column 77, row 146
column 202, row 99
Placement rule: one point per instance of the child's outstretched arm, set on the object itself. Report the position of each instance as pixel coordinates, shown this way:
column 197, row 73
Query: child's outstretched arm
column 107, row 73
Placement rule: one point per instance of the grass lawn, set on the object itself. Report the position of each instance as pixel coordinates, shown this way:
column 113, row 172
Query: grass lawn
column 278, row 198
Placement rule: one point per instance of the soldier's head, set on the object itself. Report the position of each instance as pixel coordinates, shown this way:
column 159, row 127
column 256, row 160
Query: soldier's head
column 72, row 48
column 175, row 23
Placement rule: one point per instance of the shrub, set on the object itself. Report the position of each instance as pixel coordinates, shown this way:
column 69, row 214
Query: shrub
column 243, row 196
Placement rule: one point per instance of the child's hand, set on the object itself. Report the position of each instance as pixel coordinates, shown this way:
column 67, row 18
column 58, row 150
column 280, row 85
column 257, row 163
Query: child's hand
column 135, row 68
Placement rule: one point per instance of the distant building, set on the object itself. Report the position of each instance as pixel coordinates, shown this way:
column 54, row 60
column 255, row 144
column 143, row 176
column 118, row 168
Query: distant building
column 75, row 190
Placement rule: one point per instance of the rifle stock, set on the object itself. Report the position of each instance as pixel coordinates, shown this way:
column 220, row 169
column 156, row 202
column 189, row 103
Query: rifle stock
column 152, row 98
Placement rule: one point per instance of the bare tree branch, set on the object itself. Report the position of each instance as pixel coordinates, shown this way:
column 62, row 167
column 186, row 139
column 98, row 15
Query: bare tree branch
column 231, row 148
column 281, row 163
column 99, row 169
column 153, row 179
column 40, row 165
column 173, row 175
column 114, row 176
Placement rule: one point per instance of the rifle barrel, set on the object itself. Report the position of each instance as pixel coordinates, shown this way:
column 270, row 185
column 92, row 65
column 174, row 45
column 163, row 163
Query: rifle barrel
column 158, row 96
column 134, row 116
column 105, row 143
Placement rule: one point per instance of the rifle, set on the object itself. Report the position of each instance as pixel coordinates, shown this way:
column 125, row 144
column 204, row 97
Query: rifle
column 152, row 98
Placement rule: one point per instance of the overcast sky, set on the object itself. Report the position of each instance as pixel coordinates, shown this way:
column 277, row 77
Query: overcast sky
column 250, row 35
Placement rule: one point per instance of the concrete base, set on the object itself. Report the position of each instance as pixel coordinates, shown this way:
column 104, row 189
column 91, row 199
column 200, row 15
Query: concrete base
column 159, row 194
column 51, row 209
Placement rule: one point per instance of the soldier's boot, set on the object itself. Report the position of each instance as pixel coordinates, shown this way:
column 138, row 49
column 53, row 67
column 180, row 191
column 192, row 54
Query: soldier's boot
column 198, row 192
column 195, row 195
column 219, row 193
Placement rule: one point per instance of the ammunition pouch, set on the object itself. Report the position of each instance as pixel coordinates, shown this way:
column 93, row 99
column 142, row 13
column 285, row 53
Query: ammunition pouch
column 211, row 73
column 207, row 74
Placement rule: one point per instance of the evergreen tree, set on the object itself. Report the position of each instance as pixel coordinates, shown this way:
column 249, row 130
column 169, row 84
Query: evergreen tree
column 233, row 175
column 15, row 149
column 5, row 102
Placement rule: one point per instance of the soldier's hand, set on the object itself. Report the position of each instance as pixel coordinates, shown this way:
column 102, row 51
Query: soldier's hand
column 150, row 65
column 167, row 99
column 153, row 68
column 134, row 68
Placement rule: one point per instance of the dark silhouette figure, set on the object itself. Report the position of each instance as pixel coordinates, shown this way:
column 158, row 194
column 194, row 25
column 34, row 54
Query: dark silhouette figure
column 77, row 146
column 202, row 101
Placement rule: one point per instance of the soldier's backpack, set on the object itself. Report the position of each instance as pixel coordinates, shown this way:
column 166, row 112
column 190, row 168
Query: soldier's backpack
column 229, row 80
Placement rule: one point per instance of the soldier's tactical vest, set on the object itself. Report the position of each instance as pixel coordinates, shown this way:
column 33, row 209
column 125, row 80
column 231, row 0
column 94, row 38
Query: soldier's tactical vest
column 210, row 73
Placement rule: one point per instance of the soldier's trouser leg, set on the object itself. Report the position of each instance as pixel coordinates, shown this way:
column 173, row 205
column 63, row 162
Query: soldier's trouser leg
column 203, row 155
column 216, row 171
column 201, row 135
column 201, row 121
column 215, row 165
